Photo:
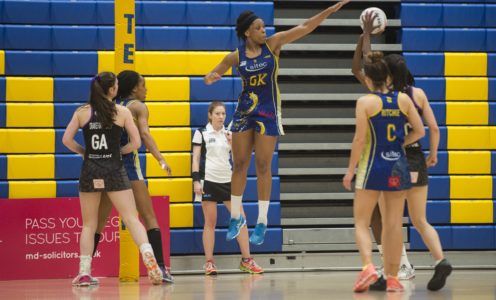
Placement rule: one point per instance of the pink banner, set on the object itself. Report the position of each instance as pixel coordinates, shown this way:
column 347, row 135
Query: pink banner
column 39, row 239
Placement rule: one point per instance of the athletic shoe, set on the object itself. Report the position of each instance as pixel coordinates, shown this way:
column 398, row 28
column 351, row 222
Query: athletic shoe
column 210, row 268
column 379, row 285
column 84, row 280
column 441, row 272
column 235, row 226
column 406, row 273
column 250, row 266
column 168, row 278
column 394, row 285
column 154, row 273
column 365, row 278
column 258, row 235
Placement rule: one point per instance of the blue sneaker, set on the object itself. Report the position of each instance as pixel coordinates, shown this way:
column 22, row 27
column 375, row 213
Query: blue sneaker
column 235, row 226
column 258, row 235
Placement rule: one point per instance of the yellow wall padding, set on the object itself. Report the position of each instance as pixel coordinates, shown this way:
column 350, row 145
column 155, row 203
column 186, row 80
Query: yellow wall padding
column 178, row 189
column 27, row 140
column 169, row 114
column 467, row 113
column 167, row 62
column 32, row 189
column 465, row 64
column 167, row 88
column 469, row 138
column 180, row 164
column 31, row 166
column 181, row 215
column 30, row 114
column 106, row 61
column 38, row 89
column 471, row 211
column 469, row 162
column 471, row 187
column 2, row 62
column 466, row 88
column 172, row 139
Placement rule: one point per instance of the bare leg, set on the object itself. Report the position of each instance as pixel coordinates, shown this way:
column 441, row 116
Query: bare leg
column 392, row 231
column 89, row 211
column 242, row 238
column 242, row 147
column 417, row 201
column 363, row 205
column 210, row 216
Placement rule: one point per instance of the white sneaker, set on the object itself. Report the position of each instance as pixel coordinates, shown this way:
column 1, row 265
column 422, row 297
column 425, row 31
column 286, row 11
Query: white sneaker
column 406, row 273
column 84, row 280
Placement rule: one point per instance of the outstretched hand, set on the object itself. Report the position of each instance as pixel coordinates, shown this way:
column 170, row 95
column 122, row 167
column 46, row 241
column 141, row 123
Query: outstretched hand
column 368, row 23
column 211, row 78
column 338, row 5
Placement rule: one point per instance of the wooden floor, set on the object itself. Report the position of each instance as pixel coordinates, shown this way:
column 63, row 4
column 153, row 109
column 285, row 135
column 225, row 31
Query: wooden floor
column 463, row 284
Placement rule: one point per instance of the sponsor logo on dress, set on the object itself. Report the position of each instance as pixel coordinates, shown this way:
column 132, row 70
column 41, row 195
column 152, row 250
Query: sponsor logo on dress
column 256, row 67
column 391, row 155
column 243, row 63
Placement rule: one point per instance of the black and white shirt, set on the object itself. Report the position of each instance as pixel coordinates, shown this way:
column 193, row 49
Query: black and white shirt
column 215, row 165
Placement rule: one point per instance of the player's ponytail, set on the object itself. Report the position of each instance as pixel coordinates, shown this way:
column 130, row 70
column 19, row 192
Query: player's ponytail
column 104, row 108
column 376, row 69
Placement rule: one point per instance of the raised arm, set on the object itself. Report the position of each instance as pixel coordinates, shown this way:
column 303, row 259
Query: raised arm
column 229, row 61
column 69, row 134
column 142, row 115
column 279, row 39
column 363, row 47
column 132, row 131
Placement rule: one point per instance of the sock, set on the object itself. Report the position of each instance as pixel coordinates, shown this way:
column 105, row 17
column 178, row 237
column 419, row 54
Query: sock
column 97, row 240
column 84, row 264
column 404, row 258
column 263, row 209
column 235, row 206
column 246, row 259
column 145, row 247
column 155, row 238
column 437, row 262
column 379, row 247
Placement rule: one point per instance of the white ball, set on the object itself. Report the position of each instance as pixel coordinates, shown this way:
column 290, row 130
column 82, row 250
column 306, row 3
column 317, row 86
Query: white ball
column 380, row 21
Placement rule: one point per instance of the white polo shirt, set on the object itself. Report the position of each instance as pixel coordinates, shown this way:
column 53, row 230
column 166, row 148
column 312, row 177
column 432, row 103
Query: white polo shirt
column 216, row 153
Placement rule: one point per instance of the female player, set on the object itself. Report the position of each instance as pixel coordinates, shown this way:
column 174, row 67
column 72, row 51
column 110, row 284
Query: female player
column 257, row 120
column 402, row 80
column 377, row 148
column 132, row 91
column 103, row 122
column 211, row 155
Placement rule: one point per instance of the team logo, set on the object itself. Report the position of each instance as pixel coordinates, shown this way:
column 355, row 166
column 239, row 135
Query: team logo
column 391, row 155
column 394, row 181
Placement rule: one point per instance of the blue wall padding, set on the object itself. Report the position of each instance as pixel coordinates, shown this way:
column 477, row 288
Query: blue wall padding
column 189, row 241
column 444, row 233
column 251, row 212
column 473, row 237
column 434, row 88
column 462, row 15
column 442, row 190
column 72, row 89
column 425, row 64
column 425, row 15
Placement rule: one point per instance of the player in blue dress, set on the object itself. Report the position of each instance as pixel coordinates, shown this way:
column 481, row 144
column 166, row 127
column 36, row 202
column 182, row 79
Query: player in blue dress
column 257, row 120
column 378, row 150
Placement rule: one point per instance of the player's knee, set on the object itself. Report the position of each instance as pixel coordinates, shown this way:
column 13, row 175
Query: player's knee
column 241, row 165
column 263, row 167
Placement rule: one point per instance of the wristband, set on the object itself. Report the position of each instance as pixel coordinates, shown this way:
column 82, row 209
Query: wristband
column 196, row 176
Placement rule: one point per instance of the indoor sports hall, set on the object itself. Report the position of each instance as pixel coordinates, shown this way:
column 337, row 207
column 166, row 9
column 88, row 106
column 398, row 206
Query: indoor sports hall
column 52, row 52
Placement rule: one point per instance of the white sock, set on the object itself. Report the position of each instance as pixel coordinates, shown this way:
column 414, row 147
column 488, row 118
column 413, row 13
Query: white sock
column 263, row 209
column 404, row 258
column 379, row 247
column 85, row 264
column 438, row 261
column 236, row 206
column 145, row 247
